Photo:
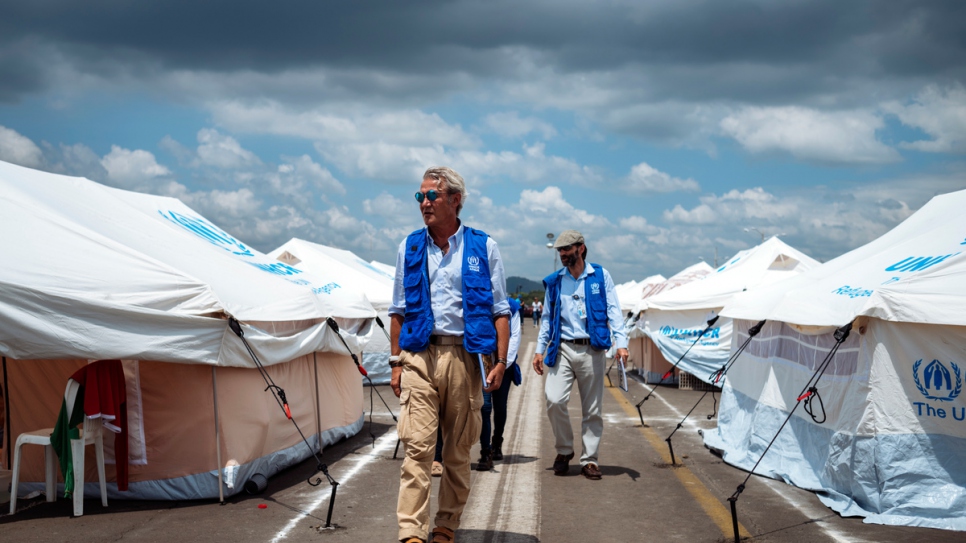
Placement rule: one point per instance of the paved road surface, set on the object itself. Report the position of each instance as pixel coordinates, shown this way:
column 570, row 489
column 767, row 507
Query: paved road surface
column 640, row 498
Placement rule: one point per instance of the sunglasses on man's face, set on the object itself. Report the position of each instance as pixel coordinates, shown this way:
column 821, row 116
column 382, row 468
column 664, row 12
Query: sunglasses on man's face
column 430, row 195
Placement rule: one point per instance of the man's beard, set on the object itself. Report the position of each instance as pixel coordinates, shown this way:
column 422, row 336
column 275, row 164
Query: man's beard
column 567, row 260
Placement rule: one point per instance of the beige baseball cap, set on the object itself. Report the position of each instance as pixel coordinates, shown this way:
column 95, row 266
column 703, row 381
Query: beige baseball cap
column 568, row 237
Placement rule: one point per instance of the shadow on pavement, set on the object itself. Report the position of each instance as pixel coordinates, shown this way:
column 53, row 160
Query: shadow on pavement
column 487, row 536
column 518, row 459
column 612, row 471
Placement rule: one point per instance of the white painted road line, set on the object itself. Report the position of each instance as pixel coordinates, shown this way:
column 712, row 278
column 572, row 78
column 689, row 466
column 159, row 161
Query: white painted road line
column 507, row 503
column 383, row 444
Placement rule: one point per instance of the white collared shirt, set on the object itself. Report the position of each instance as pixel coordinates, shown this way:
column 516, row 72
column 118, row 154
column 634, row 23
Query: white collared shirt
column 446, row 283
column 516, row 334
column 573, row 311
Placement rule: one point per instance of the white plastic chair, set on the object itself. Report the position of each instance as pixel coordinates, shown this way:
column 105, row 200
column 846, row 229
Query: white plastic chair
column 91, row 434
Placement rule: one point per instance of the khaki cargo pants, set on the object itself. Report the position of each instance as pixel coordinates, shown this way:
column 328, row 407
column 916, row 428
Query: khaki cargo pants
column 440, row 386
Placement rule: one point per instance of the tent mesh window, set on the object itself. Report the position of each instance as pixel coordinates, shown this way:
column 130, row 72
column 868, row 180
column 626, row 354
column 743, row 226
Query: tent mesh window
column 686, row 381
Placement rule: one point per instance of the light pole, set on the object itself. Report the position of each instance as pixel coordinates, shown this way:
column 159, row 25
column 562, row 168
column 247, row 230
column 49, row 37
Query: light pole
column 550, row 237
column 759, row 232
column 762, row 234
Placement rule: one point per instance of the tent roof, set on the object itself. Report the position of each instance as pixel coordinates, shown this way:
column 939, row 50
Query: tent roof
column 913, row 273
column 386, row 268
column 630, row 294
column 768, row 263
column 343, row 265
column 691, row 273
column 85, row 263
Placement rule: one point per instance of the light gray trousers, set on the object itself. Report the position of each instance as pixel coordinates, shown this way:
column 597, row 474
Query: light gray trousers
column 584, row 364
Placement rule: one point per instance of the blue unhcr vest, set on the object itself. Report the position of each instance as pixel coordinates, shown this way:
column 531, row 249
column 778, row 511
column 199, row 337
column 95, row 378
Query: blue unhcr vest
column 595, row 295
column 479, row 332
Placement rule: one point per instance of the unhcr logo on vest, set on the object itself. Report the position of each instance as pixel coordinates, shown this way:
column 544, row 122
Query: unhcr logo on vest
column 474, row 263
column 595, row 288
column 939, row 384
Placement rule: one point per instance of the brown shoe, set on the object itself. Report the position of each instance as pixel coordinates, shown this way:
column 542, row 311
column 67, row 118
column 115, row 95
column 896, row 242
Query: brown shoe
column 561, row 464
column 591, row 471
column 442, row 535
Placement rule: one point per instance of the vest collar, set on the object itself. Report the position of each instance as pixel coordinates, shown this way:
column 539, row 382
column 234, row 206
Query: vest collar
column 455, row 241
column 588, row 269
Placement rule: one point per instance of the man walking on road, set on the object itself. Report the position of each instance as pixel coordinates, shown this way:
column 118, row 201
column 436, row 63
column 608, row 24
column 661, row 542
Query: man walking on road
column 581, row 312
column 449, row 306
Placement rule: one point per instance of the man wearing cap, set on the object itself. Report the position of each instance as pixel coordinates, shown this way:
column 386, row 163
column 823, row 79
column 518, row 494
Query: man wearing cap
column 581, row 311
column 449, row 306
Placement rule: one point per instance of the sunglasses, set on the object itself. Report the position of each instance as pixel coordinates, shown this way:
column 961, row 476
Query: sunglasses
column 430, row 195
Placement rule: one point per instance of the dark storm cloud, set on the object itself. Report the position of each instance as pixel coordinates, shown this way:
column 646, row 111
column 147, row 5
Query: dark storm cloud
column 693, row 51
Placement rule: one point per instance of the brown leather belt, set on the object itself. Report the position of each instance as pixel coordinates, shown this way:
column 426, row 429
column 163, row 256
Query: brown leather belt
column 581, row 341
column 445, row 340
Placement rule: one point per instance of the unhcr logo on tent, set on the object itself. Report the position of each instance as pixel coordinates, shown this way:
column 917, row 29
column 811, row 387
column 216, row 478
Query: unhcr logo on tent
column 852, row 292
column 684, row 333
column 916, row 263
column 208, row 232
column 939, row 384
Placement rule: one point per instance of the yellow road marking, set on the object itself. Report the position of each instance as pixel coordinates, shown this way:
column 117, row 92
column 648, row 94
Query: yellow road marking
column 716, row 510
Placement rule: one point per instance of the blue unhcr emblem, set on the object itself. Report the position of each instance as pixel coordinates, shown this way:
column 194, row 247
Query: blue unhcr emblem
column 939, row 382
column 473, row 263
column 208, row 232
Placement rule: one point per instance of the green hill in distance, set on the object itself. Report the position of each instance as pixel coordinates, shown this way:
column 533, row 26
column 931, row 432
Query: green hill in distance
column 522, row 284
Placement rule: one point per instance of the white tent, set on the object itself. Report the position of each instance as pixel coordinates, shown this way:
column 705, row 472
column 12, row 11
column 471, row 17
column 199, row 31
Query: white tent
column 389, row 270
column 893, row 449
column 691, row 273
column 94, row 272
column 645, row 357
column 349, row 269
column 626, row 291
column 675, row 318
column 632, row 292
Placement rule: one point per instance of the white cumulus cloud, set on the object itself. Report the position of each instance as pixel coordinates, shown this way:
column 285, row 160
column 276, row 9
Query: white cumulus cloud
column 19, row 149
column 940, row 113
column 132, row 168
column 644, row 178
column 842, row 137
column 223, row 151
column 638, row 225
column 297, row 176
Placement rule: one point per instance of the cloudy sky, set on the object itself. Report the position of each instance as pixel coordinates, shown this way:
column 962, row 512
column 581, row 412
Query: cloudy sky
column 662, row 130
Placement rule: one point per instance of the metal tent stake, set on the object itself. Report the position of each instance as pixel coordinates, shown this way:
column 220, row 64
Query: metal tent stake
column 328, row 517
column 733, row 500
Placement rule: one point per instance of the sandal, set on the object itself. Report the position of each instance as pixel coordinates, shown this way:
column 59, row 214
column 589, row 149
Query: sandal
column 442, row 535
column 437, row 469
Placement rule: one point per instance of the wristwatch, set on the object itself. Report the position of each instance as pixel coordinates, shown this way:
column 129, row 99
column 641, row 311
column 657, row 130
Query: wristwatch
column 501, row 361
column 394, row 361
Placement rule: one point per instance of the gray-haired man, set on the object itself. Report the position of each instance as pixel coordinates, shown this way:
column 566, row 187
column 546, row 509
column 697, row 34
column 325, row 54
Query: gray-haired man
column 449, row 306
